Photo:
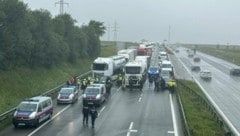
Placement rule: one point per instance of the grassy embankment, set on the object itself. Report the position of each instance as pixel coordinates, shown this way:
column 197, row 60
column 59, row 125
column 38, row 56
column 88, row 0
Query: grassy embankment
column 23, row 83
column 228, row 53
column 200, row 120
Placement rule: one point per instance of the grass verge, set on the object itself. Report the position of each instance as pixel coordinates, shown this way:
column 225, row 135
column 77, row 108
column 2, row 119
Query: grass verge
column 200, row 120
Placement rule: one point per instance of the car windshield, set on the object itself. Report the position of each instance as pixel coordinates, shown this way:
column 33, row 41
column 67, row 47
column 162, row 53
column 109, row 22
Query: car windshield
column 153, row 69
column 66, row 90
column 92, row 91
column 27, row 107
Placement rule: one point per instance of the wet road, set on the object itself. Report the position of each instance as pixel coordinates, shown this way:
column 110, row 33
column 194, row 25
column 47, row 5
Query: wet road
column 223, row 89
column 126, row 113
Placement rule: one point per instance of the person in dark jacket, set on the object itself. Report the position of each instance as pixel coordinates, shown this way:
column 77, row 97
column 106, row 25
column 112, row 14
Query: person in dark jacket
column 85, row 112
column 94, row 115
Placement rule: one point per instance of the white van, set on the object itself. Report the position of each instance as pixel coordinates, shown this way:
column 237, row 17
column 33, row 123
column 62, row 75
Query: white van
column 33, row 111
column 167, row 65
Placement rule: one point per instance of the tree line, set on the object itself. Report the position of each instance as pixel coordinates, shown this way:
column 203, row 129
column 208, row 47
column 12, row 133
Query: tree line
column 36, row 39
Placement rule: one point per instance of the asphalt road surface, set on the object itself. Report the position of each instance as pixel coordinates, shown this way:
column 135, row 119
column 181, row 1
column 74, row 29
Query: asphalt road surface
column 126, row 113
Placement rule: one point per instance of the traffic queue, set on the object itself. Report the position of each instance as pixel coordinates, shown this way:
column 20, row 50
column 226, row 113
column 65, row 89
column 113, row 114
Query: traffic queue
column 96, row 89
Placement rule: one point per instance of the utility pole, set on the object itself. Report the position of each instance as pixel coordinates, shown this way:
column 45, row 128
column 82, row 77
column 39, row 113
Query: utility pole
column 169, row 34
column 115, row 29
column 61, row 3
column 108, row 31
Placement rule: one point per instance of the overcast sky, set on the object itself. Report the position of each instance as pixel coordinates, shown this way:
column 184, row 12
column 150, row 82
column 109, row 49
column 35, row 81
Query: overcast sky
column 190, row 21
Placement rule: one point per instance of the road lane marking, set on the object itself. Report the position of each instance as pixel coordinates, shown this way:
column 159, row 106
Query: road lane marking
column 130, row 129
column 170, row 132
column 49, row 120
column 173, row 117
column 101, row 110
column 140, row 98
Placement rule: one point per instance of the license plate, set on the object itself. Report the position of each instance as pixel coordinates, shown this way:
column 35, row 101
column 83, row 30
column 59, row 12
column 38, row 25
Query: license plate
column 21, row 124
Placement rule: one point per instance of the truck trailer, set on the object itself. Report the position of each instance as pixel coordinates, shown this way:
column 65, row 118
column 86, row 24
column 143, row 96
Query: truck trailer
column 108, row 66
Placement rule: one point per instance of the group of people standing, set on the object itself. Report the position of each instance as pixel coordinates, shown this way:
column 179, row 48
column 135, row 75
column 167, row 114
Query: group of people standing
column 89, row 111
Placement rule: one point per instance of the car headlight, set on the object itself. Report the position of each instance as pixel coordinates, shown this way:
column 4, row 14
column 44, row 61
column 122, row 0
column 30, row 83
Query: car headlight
column 59, row 96
column 71, row 96
column 98, row 96
column 84, row 95
column 15, row 113
column 32, row 115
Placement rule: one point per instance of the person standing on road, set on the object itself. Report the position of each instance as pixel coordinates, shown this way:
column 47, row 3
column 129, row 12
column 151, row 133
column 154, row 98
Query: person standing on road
column 94, row 115
column 85, row 112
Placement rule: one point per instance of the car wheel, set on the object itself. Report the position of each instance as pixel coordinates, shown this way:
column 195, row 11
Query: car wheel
column 37, row 123
column 50, row 116
column 15, row 125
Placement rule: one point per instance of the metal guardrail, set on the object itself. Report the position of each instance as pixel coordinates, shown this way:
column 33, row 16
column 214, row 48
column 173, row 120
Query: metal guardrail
column 10, row 112
column 208, row 105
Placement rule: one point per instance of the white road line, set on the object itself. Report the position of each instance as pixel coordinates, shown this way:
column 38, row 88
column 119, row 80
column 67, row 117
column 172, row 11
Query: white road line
column 49, row 120
column 140, row 98
column 119, row 89
column 170, row 132
column 130, row 129
column 101, row 110
column 173, row 117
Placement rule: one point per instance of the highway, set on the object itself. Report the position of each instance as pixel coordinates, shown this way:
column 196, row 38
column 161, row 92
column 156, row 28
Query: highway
column 125, row 113
column 223, row 89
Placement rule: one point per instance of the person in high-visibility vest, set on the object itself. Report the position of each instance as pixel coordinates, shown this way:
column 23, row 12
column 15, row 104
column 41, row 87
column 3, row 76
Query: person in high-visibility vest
column 171, row 85
column 84, row 84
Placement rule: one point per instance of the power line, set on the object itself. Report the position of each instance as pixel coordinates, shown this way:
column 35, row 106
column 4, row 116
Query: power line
column 115, row 29
column 61, row 4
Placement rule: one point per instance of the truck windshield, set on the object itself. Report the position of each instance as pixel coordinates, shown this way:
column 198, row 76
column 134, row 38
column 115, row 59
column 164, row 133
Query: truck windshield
column 133, row 70
column 100, row 66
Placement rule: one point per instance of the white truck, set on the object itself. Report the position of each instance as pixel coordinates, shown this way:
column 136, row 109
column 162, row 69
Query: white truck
column 108, row 66
column 144, row 59
column 134, row 71
column 129, row 54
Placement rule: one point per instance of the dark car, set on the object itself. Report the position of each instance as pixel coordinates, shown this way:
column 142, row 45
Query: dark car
column 195, row 68
column 196, row 59
column 235, row 71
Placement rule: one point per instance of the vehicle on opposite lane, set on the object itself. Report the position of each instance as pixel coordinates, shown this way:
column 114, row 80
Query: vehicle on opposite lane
column 235, row 71
column 206, row 75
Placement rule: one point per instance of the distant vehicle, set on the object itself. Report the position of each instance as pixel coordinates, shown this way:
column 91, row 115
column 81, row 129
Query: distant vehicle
column 68, row 94
column 153, row 71
column 33, row 111
column 196, row 59
column 235, row 71
column 167, row 65
column 177, row 50
column 94, row 94
column 163, row 55
column 108, row 66
column 195, row 68
column 166, row 76
column 206, row 74
column 129, row 54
